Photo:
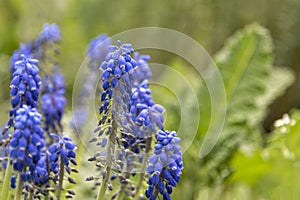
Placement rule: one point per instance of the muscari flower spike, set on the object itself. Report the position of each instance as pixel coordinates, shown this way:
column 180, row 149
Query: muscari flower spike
column 24, row 86
column 117, row 66
column 165, row 166
column 62, row 150
column 53, row 100
column 27, row 142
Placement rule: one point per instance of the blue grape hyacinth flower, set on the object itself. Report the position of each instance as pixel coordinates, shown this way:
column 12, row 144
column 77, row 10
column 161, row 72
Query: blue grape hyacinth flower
column 117, row 66
column 24, row 85
column 27, row 142
column 24, row 49
column 53, row 100
column 61, row 154
column 165, row 166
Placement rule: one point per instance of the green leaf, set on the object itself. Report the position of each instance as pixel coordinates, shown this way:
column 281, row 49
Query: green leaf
column 251, row 84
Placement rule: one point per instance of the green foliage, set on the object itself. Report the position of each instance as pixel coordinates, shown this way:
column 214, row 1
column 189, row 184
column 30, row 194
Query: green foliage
column 251, row 83
column 246, row 67
column 273, row 171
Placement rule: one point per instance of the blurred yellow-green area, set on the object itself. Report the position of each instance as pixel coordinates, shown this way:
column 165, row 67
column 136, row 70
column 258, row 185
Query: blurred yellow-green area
column 253, row 159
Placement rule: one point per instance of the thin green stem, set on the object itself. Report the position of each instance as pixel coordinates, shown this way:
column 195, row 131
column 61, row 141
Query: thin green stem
column 144, row 165
column 110, row 146
column 122, row 190
column 61, row 177
column 19, row 188
column 5, row 186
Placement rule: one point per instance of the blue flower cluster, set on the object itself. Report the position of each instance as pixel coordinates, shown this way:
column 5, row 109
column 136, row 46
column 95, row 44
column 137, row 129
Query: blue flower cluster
column 118, row 65
column 25, row 49
column 165, row 166
column 27, row 142
column 24, row 85
column 50, row 32
column 63, row 150
column 142, row 107
column 143, row 72
column 53, row 100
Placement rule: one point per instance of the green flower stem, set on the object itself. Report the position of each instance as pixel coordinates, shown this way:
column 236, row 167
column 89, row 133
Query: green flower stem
column 18, row 193
column 5, row 186
column 110, row 147
column 144, row 164
column 121, row 192
column 61, row 177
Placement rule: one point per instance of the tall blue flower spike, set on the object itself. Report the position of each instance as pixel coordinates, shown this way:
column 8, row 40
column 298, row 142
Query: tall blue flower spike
column 165, row 166
column 24, row 86
column 118, row 68
column 128, row 125
column 53, row 100
column 27, row 142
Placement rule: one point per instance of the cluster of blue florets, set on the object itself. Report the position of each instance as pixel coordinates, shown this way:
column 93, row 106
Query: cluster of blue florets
column 165, row 166
column 24, row 85
column 33, row 160
column 62, row 150
column 127, row 95
column 50, row 33
column 53, row 100
column 144, row 72
column 27, row 142
column 117, row 65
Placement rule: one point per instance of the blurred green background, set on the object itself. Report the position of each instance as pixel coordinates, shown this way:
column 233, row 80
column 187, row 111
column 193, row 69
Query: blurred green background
column 210, row 23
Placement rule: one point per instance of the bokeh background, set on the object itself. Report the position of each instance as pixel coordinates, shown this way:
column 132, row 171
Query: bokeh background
column 209, row 22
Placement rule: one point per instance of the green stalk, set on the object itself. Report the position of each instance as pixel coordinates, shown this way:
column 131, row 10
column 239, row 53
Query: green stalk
column 5, row 186
column 121, row 193
column 144, row 164
column 19, row 189
column 61, row 177
column 110, row 146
